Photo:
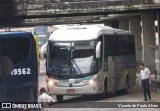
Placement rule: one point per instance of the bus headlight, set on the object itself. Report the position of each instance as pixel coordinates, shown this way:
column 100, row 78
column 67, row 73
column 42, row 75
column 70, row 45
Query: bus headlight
column 91, row 81
column 50, row 82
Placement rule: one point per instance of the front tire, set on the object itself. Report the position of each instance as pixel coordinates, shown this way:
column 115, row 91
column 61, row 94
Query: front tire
column 59, row 98
column 119, row 92
column 104, row 94
column 125, row 90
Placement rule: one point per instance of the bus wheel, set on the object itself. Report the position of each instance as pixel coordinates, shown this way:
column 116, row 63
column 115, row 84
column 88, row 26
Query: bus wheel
column 125, row 91
column 119, row 92
column 104, row 94
column 59, row 98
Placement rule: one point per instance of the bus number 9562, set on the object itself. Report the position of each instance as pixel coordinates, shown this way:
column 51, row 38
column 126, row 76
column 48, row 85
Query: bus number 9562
column 21, row 71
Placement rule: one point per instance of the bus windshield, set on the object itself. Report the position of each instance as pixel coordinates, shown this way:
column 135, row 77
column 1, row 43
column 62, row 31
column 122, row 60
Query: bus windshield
column 67, row 58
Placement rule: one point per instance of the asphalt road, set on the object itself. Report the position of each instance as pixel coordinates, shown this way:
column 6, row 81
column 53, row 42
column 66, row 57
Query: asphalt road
column 111, row 103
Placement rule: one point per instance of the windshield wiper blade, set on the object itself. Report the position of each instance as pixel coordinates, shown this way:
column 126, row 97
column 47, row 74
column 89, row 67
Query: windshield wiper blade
column 79, row 70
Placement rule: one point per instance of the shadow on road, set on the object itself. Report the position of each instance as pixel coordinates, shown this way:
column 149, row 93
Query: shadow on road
column 90, row 98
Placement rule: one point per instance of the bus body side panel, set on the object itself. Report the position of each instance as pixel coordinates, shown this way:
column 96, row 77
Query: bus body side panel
column 110, row 74
column 37, row 53
column 119, row 52
column 132, row 72
column 1, row 76
column 118, row 68
column 36, row 68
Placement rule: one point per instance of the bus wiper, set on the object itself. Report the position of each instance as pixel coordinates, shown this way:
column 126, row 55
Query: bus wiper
column 77, row 66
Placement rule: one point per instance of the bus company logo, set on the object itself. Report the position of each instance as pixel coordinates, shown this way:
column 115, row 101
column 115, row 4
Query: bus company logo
column 118, row 66
column 70, row 85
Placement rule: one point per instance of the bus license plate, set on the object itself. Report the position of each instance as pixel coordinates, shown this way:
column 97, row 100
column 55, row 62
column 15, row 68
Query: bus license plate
column 70, row 90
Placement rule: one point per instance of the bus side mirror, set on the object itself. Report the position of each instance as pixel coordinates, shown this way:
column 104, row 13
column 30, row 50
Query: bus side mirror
column 98, row 49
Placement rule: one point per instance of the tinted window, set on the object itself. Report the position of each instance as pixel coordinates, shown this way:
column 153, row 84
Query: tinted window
column 119, row 45
column 16, row 49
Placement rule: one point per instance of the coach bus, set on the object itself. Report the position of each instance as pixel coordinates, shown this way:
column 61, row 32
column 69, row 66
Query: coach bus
column 19, row 65
column 87, row 59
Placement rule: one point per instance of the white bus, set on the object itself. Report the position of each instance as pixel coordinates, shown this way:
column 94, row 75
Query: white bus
column 86, row 60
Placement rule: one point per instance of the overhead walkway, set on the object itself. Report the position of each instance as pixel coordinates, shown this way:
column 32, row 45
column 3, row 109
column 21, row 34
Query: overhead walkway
column 38, row 12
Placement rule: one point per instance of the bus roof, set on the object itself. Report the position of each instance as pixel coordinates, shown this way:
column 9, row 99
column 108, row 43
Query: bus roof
column 84, row 32
column 15, row 34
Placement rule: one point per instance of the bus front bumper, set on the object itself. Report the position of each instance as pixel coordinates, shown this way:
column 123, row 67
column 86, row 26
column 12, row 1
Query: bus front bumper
column 83, row 90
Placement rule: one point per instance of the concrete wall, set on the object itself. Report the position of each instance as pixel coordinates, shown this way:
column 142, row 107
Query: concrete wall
column 136, row 29
column 124, row 24
column 157, row 50
column 148, row 30
column 156, row 1
column 157, row 59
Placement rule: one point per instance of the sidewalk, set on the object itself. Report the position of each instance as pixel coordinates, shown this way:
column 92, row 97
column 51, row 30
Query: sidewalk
column 156, row 82
column 153, row 76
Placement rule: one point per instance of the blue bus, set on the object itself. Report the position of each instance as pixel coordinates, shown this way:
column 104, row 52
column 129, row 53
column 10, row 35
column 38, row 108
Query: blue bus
column 19, row 67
